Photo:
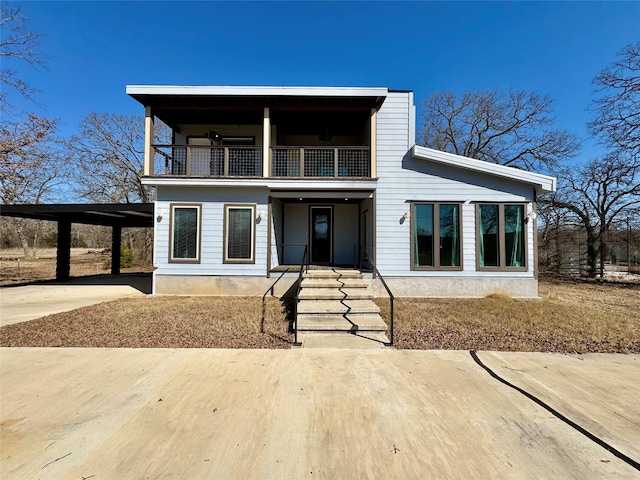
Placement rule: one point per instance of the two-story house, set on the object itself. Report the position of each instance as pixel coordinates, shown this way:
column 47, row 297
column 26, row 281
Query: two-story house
column 254, row 175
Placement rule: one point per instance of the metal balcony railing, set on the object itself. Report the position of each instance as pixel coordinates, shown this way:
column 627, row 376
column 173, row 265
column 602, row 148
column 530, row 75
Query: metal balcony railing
column 246, row 161
column 320, row 162
column 207, row 161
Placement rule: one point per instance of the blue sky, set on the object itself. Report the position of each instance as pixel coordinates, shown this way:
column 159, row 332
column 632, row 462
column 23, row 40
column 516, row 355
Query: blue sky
column 94, row 49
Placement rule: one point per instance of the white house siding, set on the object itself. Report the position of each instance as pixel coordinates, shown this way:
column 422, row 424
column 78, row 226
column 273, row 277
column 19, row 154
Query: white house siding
column 212, row 241
column 345, row 233
column 277, row 208
column 403, row 179
column 296, row 232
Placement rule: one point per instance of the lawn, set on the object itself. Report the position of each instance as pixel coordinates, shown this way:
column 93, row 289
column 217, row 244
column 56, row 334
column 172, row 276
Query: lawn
column 573, row 317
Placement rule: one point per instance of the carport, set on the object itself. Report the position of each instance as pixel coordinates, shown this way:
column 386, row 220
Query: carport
column 114, row 215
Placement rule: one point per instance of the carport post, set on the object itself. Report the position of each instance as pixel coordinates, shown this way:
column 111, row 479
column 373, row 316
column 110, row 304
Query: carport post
column 116, row 242
column 63, row 253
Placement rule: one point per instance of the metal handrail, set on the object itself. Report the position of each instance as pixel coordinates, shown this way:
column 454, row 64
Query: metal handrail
column 303, row 263
column 270, row 289
column 384, row 284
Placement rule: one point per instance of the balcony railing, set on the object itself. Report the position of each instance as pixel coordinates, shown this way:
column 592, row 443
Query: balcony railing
column 237, row 161
column 320, row 162
column 196, row 160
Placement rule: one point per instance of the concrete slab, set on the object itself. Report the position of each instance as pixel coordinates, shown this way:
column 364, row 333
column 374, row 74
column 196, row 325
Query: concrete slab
column 300, row 413
column 28, row 302
column 573, row 385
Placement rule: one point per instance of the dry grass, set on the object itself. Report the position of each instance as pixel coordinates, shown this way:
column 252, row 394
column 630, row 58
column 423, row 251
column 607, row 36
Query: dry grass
column 42, row 268
column 167, row 322
column 573, row 317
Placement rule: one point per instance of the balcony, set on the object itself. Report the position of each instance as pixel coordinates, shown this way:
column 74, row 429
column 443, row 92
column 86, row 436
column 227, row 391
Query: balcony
column 207, row 161
column 247, row 161
column 320, row 162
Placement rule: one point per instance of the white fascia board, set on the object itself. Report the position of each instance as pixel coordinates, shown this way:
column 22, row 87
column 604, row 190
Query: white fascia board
column 257, row 91
column 543, row 183
column 203, row 182
column 282, row 184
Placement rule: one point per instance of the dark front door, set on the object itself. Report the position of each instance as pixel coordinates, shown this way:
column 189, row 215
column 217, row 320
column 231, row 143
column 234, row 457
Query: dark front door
column 321, row 234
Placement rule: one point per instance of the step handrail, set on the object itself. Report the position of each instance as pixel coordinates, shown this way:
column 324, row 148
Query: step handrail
column 270, row 289
column 304, row 263
column 365, row 255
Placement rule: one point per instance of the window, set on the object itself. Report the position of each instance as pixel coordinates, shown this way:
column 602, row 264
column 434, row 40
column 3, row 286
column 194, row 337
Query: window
column 501, row 236
column 239, row 233
column 185, row 233
column 435, row 236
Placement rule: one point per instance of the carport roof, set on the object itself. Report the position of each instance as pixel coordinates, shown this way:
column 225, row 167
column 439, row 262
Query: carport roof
column 107, row 214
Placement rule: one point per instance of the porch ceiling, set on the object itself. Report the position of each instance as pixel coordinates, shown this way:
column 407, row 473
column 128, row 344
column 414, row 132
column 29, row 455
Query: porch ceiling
column 289, row 112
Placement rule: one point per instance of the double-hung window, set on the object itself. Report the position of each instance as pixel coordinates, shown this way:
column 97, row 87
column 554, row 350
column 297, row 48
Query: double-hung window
column 435, row 231
column 239, row 233
column 501, row 243
column 185, row 233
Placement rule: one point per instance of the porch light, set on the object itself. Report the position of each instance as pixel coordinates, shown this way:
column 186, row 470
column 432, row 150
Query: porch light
column 406, row 215
column 261, row 215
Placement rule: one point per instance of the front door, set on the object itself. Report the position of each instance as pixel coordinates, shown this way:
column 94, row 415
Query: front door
column 321, row 234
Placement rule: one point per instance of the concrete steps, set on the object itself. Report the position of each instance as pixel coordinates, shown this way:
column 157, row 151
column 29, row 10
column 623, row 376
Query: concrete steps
column 317, row 282
column 341, row 323
column 316, row 293
column 337, row 302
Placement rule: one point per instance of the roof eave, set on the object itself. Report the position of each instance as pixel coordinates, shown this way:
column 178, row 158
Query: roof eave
column 541, row 183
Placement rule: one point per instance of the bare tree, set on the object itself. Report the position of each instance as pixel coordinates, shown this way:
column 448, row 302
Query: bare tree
column 18, row 44
column 596, row 195
column 30, row 166
column 617, row 112
column 31, row 170
column 109, row 151
column 512, row 129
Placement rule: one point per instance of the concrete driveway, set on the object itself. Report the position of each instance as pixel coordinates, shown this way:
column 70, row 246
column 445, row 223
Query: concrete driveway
column 313, row 413
column 28, row 302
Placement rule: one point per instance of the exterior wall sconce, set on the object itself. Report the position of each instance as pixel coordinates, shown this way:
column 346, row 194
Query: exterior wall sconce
column 160, row 215
column 261, row 216
column 531, row 216
column 407, row 215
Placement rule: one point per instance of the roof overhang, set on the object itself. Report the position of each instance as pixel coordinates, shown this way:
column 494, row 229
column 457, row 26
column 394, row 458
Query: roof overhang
column 110, row 214
column 179, row 105
column 142, row 91
column 541, row 183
